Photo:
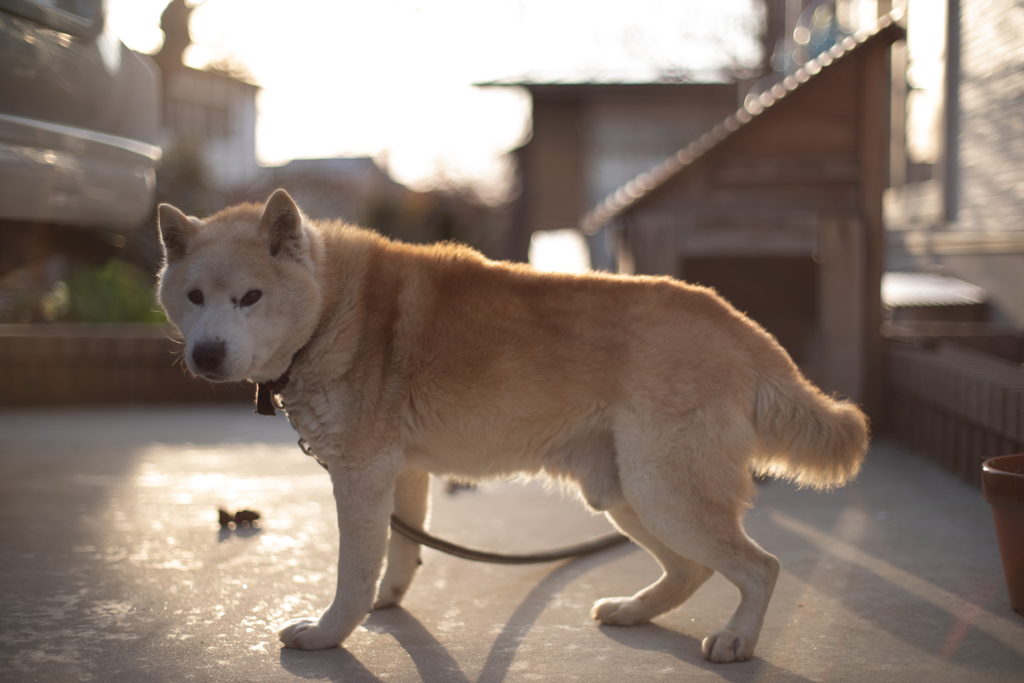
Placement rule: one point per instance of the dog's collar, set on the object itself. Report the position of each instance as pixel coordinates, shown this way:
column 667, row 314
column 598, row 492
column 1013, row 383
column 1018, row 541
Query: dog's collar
column 265, row 390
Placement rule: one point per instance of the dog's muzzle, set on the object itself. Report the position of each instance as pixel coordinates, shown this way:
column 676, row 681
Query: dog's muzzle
column 208, row 356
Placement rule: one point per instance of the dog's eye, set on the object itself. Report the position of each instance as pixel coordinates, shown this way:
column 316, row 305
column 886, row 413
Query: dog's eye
column 196, row 297
column 251, row 297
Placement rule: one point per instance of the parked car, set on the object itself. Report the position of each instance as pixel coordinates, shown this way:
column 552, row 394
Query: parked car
column 79, row 126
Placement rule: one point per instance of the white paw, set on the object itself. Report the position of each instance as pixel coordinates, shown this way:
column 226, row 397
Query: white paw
column 307, row 634
column 727, row 646
column 402, row 565
column 620, row 611
column 390, row 595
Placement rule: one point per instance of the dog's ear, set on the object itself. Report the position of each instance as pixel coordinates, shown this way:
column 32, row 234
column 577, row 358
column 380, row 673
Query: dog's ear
column 176, row 229
column 281, row 225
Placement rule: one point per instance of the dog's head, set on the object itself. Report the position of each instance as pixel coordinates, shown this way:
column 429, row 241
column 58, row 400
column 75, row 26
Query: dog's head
column 240, row 286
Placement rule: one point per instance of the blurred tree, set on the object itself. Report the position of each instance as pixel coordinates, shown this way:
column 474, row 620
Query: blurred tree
column 174, row 23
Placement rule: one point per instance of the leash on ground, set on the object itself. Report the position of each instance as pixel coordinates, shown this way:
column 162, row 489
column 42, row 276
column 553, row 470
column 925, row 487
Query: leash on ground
column 586, row 548
column 423, row 538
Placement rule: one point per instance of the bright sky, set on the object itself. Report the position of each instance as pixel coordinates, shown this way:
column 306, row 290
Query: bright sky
column 394, row 77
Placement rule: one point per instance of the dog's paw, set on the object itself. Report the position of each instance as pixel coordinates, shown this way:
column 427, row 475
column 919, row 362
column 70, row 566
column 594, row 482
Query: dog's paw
column 727, row 646
column 403, row 562
column 307, row 634
column 390, row 596
column 620, row 611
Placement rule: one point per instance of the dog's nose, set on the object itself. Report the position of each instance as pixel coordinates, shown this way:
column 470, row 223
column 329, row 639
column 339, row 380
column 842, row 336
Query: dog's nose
column 209, row 355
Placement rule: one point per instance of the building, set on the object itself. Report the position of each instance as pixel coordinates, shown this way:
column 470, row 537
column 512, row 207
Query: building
column 345, row 188
column 210, row 113
column 589, row 138
column 215, row 115
column 779, row 207
column 956, row 205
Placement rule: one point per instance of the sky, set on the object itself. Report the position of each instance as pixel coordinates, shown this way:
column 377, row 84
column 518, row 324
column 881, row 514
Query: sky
column 393, row 79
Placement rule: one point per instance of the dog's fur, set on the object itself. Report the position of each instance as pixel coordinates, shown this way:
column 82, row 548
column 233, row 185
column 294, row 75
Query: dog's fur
column 655, row 397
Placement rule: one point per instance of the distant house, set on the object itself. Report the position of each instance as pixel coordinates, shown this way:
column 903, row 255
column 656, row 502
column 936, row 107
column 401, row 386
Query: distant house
column 779, row 207
column 589, row 138
column 347, row 188
column 210, row 113
column 957, row 199
column 359, row 190
column 215, row 114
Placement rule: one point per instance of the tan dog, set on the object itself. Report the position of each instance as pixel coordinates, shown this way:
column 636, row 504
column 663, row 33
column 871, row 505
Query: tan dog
column 655, row 397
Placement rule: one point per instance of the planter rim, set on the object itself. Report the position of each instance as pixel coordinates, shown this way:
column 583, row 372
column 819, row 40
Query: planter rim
column 988, row 466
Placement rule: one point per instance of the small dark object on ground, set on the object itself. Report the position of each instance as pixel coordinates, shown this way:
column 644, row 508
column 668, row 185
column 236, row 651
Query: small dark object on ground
column 454, row 486
column 242, row 518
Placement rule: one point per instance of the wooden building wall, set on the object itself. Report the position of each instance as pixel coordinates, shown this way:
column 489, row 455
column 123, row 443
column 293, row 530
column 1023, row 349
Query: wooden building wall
column 589, row 138
column 552, row 167
column 783, row 217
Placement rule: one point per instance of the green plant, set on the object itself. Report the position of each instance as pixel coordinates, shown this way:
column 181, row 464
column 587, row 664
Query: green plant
column 115, row 292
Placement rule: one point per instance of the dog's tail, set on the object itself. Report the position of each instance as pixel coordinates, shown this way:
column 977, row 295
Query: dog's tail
column 805, row 436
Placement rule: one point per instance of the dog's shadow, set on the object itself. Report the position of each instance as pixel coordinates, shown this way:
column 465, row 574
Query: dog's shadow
column 336, row 665
column 686, row 649
column 432, row 660
column 649, row 637
column 503, row 651
column 434, row 663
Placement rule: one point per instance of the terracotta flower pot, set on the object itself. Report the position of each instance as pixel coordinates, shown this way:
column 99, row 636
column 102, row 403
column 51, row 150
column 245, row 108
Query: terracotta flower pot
column 1002, row 482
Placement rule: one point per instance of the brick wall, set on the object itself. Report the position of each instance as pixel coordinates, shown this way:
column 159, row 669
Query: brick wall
column 100, row 364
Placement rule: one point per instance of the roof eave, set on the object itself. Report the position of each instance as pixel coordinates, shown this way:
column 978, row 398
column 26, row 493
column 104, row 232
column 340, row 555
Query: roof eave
column 637, row 189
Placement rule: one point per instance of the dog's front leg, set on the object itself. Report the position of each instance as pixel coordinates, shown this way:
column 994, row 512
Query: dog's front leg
column 365, row 500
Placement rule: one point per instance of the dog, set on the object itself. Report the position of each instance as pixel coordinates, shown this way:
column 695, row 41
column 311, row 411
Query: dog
column 655, row 398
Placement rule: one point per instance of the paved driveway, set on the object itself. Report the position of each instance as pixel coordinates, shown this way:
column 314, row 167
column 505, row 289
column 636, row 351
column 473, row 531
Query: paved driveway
column 113, row 568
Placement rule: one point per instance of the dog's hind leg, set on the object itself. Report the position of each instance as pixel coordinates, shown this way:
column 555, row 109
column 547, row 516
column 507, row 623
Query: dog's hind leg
column 412, row 503
column 710, row 532
column 681, row 577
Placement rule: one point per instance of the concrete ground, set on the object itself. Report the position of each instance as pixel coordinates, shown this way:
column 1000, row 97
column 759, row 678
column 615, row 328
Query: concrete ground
column 113, row 568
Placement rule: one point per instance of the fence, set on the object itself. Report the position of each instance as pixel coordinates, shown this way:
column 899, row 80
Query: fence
column 100, row 364
column 1003, row 340
column 956, row 405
